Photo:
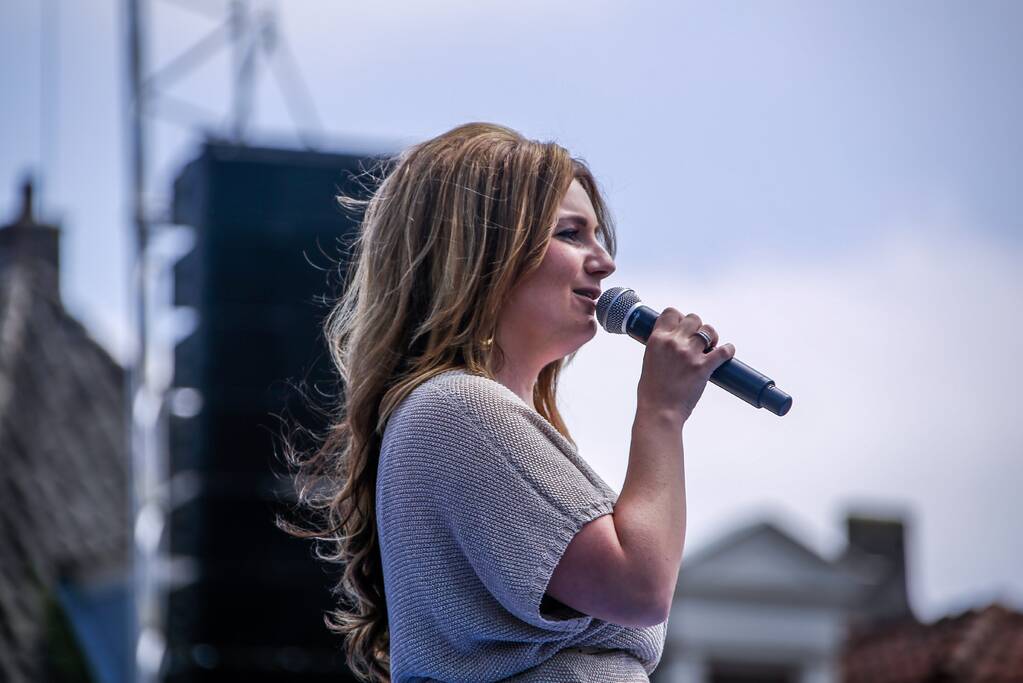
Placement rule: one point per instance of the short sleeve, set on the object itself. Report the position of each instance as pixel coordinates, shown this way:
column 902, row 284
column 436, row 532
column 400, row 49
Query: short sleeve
column 513, row 496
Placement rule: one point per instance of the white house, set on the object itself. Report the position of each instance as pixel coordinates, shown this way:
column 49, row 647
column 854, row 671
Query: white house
column 759, row 606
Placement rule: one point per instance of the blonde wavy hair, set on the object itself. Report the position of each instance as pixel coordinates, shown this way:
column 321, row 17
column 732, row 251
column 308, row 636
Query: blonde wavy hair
column 452, row 226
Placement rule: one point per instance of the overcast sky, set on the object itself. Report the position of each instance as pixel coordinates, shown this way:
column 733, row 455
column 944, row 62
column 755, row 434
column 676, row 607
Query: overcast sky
column 834, row 186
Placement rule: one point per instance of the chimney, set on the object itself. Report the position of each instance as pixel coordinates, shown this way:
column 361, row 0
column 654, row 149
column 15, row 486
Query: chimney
column 877, row 547
column 35, row 246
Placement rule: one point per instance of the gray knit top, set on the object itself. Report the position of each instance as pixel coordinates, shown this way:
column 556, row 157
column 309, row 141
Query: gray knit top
column 477, row 497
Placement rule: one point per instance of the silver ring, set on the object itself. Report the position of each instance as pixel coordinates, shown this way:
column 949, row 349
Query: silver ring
column 707, row 343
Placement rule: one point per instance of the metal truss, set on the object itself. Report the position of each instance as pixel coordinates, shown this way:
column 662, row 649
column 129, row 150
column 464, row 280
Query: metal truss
column 253, row 38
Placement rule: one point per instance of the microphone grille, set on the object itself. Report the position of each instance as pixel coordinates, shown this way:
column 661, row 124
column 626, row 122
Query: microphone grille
column 612, row 307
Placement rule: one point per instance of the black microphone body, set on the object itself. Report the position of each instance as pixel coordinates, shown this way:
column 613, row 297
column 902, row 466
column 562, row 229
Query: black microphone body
column 619, row 311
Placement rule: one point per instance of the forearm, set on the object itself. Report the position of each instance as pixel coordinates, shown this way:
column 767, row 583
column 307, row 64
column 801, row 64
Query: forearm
column 650, row 516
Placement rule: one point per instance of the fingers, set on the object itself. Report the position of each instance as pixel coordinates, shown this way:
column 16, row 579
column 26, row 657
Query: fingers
column 690, row 324
column 678, row 362
column 709, row 329
column 668, row 320
column 672, row 321
column 720, row 355
column 704, row 344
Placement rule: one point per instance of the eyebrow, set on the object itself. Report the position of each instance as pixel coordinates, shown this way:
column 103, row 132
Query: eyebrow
column 578, row 219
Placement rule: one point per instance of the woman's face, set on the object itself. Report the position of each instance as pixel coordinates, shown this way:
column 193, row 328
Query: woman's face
column 545, row 318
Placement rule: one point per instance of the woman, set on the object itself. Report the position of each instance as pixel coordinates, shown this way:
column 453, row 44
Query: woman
column 477, row 544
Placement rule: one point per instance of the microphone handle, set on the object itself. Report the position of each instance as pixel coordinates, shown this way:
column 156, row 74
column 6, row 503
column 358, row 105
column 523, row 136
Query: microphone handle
column 733, row 375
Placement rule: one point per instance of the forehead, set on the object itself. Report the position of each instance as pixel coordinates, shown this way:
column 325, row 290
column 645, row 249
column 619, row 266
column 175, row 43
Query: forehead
column 577, row 201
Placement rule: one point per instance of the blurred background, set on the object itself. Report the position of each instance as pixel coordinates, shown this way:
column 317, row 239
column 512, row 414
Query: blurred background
column 834, row 186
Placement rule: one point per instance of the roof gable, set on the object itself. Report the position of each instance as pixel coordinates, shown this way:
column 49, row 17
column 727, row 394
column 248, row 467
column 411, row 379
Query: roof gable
column 761, row 561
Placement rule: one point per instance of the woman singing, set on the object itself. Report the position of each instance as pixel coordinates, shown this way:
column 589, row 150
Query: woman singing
column 477, row 543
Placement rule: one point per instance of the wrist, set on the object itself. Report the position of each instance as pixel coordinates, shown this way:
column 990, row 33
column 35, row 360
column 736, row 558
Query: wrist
column 654, row 415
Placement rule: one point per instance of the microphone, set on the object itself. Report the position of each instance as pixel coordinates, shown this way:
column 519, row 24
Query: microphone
column 619, row 311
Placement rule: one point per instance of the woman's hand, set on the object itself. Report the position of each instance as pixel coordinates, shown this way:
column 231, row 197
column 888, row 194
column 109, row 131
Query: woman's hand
column 675, row 366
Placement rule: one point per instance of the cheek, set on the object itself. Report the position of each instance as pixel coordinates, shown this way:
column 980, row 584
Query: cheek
column 563, row 264
column 541, row 299
column 528, row 304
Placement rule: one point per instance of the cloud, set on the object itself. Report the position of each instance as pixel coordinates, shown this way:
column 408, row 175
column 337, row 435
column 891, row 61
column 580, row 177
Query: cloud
column 903, row 360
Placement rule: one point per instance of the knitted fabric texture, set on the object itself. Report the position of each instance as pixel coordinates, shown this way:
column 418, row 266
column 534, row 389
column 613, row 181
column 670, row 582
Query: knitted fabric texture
column 477, row 497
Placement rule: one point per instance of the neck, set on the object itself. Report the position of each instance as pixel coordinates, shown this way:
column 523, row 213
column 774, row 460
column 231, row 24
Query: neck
column 522, row 384
column 519, row 375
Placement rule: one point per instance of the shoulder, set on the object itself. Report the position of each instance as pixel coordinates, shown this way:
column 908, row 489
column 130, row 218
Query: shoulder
column 459, row 411
column 468, row 388
column 453, row 404
column 442, row 431
column 458, row 395
column 464, row 429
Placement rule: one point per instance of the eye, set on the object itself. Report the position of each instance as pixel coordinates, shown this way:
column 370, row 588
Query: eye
column 571, row 233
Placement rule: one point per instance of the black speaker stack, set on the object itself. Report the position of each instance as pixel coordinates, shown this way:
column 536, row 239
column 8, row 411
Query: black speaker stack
column 248, row 601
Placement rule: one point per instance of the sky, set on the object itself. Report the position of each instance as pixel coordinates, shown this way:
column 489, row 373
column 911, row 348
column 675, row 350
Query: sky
column 834, row 186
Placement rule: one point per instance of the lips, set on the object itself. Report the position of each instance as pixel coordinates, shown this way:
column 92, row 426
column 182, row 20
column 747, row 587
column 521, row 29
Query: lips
column 590, row 303
column 589, row 292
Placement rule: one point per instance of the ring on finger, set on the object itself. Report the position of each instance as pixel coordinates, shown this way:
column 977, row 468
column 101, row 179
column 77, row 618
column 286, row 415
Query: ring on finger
column 708, row 343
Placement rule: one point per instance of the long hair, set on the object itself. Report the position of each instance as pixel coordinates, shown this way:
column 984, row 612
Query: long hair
column 452, row 226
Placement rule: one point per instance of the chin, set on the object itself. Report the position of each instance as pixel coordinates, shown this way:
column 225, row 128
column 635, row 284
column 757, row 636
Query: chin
column 581, row 340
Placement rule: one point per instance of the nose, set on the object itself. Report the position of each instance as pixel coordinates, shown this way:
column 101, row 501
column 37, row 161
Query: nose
column 600, row 264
